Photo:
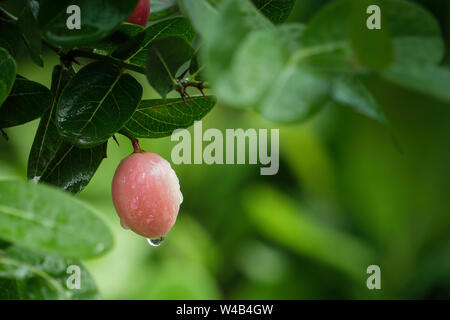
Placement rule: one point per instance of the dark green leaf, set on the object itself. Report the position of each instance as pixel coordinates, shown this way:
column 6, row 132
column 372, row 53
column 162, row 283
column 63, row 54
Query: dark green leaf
column 98, row 18
column 44, row 218
column 350, row 91
column 96, row 103
column 7, row 75
column 123, row 35
column 276, row 10
column 427, row 79
column 165, row 57
column 137, row 52
column 54, row 161
column 31, row 35
column 28, row 101
column 9, row 37
column 27, row 275
column 159, row 118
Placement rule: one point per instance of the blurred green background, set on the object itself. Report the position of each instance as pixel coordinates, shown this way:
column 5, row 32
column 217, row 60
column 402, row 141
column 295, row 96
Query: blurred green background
column 349, row 193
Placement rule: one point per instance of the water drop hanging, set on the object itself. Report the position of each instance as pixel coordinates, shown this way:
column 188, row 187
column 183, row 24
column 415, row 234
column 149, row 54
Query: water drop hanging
column 155, row 242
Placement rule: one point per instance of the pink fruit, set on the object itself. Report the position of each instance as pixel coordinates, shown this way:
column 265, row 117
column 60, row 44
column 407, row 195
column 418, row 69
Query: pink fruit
column 146, row 194
column 141, row 13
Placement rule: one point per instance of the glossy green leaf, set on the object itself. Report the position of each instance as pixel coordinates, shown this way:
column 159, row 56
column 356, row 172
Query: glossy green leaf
column 122, row 36
column 427, row 79
column 54, row 161
column 160, row 9
column 276, row 10
column 284, row 222
column 415, row 33
column 26, row 275
column 137, row 52
column 159, row 118
column 29, row 29
column 46, row 219
column 96, row 103
column 350, row 91
column 10, row 37
column 165, row 57
column 8, row 74
column 99, row 19
column 28, row 101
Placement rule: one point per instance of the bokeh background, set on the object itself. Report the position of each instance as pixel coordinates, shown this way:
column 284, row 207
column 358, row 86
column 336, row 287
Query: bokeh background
column 350, row 192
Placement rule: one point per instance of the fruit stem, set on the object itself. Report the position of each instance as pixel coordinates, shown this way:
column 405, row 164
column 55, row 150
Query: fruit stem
column 134, row 142
column 136, row 146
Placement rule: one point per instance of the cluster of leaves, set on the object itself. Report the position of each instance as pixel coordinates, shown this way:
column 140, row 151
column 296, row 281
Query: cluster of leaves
column 287, row 72
column 242, row 48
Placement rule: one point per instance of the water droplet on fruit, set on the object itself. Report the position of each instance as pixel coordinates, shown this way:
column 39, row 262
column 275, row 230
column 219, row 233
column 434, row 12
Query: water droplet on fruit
column 156, row 242
column 124, row 225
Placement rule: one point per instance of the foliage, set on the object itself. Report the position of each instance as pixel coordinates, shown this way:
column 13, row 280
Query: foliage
column 245, row 52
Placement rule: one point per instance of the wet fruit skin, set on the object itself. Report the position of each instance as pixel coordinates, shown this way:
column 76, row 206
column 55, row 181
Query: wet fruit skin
column 141, row 13
column 146, row 194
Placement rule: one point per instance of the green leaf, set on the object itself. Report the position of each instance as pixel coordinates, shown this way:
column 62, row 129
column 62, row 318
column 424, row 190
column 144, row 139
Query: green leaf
column 7, row 76
column 235, row 21
column 28, row 101
column 414, row 32
column 123, row 35
column 43, row 218
column 99, row 19
column 350, row 91
column 276, row 10
column 96, row 103
column 29, row 28
column 202, row 16
column 160, row 9
column 267, row 73
column 159, row 118
column 137, row 52
column 54, row 161
column 27, row 275
column 9, row 37
column 427, row 79
column 284, row 222
column 165, row 57
column 297, row 93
